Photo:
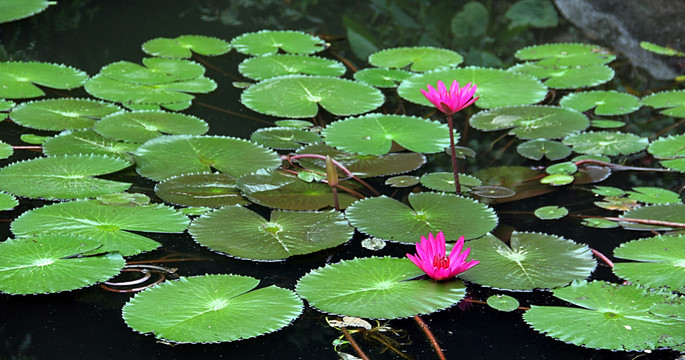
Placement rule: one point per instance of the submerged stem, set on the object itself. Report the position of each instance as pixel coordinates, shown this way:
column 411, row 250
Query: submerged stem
column 429, row 334
column 356, row 347
column 455, row 168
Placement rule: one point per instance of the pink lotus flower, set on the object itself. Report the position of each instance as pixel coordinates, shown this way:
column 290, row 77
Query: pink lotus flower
column 450, row 102
column 431, row 257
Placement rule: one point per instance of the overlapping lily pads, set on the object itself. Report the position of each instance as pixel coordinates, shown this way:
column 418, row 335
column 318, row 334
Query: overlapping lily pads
column 494, row 86
column 50, row 263
column 242, row 233
column 141, row 126
column 671, row 150
column 444, row 181
column 211, row 308
column 666, row 213
column 382, row 77
column 284, row 138
column 63, row 177
column 298, row 96
column 673, row 102
column 571, row 77
column 264, row 67
column 61, row 114
column 606, row 143
column 609, row 102
column 417, row 58
column 167, row 156
column 659, row 262
column 530, row 261
column 185, row 45
column 537, row 149
column 374, row 134
column 19, row 79
column 389, row 219
column 267, row 42
column 532, row 122
column 365, row 287
column 204, row 189
column 108, row 225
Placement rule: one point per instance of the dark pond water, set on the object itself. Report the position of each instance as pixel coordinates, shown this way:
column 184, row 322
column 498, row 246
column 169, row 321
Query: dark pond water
column 88, row 324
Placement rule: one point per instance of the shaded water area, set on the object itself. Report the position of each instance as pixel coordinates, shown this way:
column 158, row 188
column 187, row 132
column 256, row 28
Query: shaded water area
column 87, row 323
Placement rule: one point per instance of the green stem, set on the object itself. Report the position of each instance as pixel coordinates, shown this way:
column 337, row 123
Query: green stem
column 455, row 168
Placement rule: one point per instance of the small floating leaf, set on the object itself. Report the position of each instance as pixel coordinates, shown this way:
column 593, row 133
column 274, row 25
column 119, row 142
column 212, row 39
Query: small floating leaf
column 365, row 287
column 284, row 138
column 267, row 42
column 661, row 50
column 62, row 177
column 141, row 126
column 600, row 223
column 605, row 102
column 18, row 78
column 567, row 167
column 417, row 58
column 530, row 261
column 211, row 308
column 181, row 46
column 50, row 263
column 537, row 149
column 660, row 262
column 444, row 181
column 205, row 189
column 503, row 303
column 382, row 77
column 566, row 54
column 296, row 96
column 402, row 181
column 493, row 192
column 532, row 122
column 606, row 143
column 61, row 114
column 265, row 67
column 551, row 212
column 239, row 232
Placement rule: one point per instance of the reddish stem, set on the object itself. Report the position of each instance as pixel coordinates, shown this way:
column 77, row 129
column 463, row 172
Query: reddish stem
column 356, row 347
column 430, row 336
column 338, row 165
column 602, row 257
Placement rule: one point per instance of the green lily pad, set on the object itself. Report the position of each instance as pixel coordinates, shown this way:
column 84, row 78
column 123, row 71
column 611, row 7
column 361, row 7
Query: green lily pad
column 154, row 71
column 607, row 124
column 494, row 86
column 364, row 287
column 566, row 54
column 50, row 263
column 285, row 191
column 7, row 201
column 167, row 156
column 612, row 317
column 6, row 150
column 297, row 96
column 417, row 58
column 362, row 166
column 567, row 168
column 205, row 189
column 671, row 149
column 141, row 126
column 402, row 181
column 18, row 78
column 211, row 308
column 61, row 114
column 265, row 67
column 382, row 77
column 608, row 191
column 373, row 134
column 606, row 143
column 444, row 181
column 551, row 212
column 284, row 138
column 557, row 179
column 537, row 149
column 34, row 139
column 668, row 212
column 503, row 303
column 62, row 177
column 673, row 102
column 600, row 223
column 185, row 45
column 20, row 9
column 609, row 102
column 268, row 42
column 532, row 122
column 653, row 195
column 239, row 232
column 531, row 261
column 570, row 77
column 661, row 50
column 298, row 124
column 107, row 225
column 389, row 219
column 88, row 142
column 660, row 262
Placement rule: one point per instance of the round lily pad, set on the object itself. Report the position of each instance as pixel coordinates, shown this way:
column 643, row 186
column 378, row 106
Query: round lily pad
column 267, row 42
column 389, row 219
column 62, row 177
column 167, row 156
column 402, row 181
column 494, row 86
column 19, row 79
column 611, row 317
column 264, row 67
column 204, row 189
column 185, row 45
column 503, row 303
column 107, row 225
column 606, row 143
column 365, row 287
column 373, row 134
column 532, row 122
column 298, row 96
column 141, row 126
column 284, row 138
column 659, row 262
column 537, row 149
column 609, row 102
column 382, row 77
column 570, row 77
column 50, row 263
column 673, row 102
column 60, row 114
column 566, row 54
column 551, row 212
column 19, row 9
column 211, row 308
column 417, row 58
column 444, row 181
column 242, row 233
column 88, row 142
column 531, row 261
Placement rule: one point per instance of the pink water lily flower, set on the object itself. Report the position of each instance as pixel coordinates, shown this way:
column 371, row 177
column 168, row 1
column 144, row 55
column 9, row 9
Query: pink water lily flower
column 450, row 102
column 431, row 257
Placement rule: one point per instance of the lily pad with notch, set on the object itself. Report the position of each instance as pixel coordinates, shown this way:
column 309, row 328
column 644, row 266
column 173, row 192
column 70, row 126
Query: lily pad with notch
column 211, row 309
column 51, row 263
column 605, row 102
column 20, row 79
column 658, row 262
column 141, row 126
column 268, row 66
column 530, row 261
column 242, row 233
column 503, row 302
column 416, row 58
column 185, row 45
column 364, row 287
column 268, row 42
column 203, row 189
column 537, row 149
column 61, row 114
column 571, row 77
column 606, row 143
column 551, row 212
column 532, row 122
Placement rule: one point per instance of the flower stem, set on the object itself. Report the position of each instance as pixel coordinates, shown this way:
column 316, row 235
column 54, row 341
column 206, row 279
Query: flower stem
column 455, row 168
column 356, row 347
column 429, row 334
